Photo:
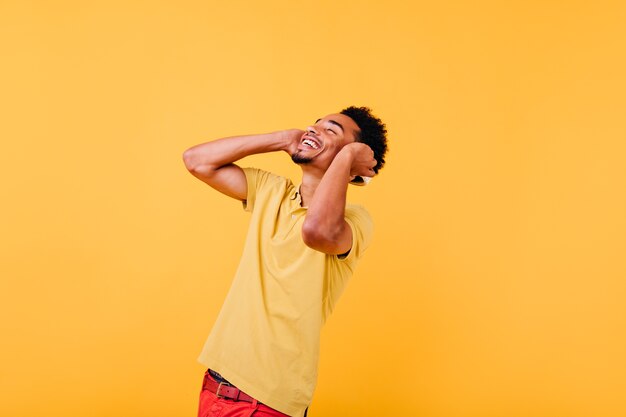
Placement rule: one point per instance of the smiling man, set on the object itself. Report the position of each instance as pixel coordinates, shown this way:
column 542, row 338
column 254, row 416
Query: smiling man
column 302, row 246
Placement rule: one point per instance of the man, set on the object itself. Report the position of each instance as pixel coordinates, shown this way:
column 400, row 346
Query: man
column 302, row 246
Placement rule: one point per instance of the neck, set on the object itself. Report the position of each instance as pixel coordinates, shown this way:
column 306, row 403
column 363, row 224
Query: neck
column 308, row 187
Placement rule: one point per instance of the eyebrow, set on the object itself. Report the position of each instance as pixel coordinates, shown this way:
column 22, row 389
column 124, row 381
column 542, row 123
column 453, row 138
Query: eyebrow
column 333, row 122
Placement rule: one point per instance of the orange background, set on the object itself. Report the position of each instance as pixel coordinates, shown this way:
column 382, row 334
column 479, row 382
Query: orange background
column 495, row 284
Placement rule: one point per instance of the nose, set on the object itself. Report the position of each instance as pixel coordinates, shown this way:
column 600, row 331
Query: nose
column 311, row 129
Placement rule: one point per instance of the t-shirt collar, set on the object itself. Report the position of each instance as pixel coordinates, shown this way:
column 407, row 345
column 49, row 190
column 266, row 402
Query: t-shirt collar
column 295, row 195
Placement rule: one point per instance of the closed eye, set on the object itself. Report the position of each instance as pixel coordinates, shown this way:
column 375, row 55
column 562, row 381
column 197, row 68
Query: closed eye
column 330, row 130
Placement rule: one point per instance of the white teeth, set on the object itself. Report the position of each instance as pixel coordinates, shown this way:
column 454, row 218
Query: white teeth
column 310, row 143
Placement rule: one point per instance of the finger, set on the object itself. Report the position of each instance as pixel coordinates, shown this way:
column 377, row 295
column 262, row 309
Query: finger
column 367, row 172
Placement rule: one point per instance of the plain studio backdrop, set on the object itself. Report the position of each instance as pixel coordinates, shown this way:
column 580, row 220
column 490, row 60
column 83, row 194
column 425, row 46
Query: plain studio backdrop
column 495, row 285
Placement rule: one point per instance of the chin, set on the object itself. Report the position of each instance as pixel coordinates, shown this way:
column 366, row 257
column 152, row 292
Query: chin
column 300, row 160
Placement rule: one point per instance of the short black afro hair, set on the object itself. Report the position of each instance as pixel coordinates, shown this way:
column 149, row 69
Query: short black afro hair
column 373, row 132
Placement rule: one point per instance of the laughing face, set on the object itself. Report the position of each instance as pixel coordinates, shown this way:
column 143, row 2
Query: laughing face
column 322, row 141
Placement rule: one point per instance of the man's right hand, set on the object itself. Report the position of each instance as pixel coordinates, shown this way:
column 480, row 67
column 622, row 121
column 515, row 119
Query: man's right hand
column 292, row 140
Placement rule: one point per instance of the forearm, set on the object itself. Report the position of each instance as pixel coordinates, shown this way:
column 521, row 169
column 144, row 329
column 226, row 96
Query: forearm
column 221, row 152
column 325, row 213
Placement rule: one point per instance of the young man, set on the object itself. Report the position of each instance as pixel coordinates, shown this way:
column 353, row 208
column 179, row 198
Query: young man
column 302, row 246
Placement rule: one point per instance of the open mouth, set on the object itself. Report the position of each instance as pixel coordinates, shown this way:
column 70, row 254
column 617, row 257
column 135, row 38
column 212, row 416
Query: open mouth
column 311, row 142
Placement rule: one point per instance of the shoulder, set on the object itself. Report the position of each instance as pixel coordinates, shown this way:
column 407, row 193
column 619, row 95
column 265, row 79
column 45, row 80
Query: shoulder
column 263, row 186
column 362, row 228
column 358, row 213
column 259, row 177
column 360, row 219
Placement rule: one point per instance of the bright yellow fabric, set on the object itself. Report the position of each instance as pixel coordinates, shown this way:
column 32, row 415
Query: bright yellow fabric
column 266, row 337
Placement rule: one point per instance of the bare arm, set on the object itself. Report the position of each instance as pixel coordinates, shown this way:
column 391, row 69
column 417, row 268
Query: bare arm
column 325, row 228
column 213, row 162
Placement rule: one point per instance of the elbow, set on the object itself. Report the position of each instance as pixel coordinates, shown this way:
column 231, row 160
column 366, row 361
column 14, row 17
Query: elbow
column 188, row 159
column 195, row 164
column 319, row 236
column 309, row 233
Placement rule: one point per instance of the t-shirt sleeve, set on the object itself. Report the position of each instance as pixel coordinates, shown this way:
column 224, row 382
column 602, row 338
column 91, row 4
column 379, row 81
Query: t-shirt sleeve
column 256, row 179
column 362, row 227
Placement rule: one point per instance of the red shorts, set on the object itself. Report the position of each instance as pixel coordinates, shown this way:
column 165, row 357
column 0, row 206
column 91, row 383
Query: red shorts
column 213, row 406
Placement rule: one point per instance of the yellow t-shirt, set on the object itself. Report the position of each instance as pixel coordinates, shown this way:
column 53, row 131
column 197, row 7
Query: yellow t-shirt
column 266, row 338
